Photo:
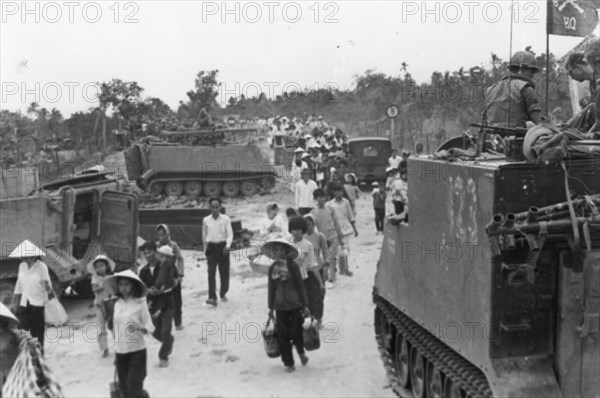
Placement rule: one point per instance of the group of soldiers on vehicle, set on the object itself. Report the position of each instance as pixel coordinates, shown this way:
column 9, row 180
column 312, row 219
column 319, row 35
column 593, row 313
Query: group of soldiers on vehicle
column 512, row 101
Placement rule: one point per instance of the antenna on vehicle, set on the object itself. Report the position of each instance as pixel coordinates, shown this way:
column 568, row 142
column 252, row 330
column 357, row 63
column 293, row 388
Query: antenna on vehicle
column 509, row 57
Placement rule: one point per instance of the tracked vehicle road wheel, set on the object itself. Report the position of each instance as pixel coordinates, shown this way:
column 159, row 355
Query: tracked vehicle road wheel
column 451, row 390
column 156, row 188
column 231, row 189
column 435, row 387
column 212, row 188
column 174, row 188
column 417, row 373
column 385, row 328
column 249, row 188
column 192, row 188
column 401, row 361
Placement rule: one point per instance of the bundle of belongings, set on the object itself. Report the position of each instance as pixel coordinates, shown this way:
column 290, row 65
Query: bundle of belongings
column 547, row 143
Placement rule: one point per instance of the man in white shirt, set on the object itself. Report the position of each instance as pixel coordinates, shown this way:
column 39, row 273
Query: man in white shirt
column 394, row 160
column 217, row 236
column 303, row 191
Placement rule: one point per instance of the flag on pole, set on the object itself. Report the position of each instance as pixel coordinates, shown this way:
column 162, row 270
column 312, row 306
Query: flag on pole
column 573, row 17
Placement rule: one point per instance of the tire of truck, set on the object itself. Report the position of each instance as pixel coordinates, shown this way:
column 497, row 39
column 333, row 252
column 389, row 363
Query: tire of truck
column 7, row 289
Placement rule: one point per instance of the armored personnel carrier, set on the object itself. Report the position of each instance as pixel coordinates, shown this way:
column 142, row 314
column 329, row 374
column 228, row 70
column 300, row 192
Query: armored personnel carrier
column 492, row 287
column 72, row 220
column 207, row 163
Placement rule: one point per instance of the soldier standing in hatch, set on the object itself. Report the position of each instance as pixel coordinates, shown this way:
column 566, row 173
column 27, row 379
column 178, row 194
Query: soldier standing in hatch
column 512, row 102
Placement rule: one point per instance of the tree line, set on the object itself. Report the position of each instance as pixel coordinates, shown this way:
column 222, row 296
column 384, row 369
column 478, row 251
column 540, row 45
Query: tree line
column 434, row 110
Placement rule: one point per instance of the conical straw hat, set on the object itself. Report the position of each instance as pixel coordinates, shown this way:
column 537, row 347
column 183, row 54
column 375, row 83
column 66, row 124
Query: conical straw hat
column 26, row 249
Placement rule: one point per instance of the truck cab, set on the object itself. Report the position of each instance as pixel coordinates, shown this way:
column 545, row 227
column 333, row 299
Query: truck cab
column 371, row 154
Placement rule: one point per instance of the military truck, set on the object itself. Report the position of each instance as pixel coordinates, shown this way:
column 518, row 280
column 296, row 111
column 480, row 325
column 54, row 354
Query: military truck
column 201, row 163
column 371, row 154
column 72, row 220
column 492, row 287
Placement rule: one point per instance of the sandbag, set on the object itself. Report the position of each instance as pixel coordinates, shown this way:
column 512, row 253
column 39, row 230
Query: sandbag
column 547, row 143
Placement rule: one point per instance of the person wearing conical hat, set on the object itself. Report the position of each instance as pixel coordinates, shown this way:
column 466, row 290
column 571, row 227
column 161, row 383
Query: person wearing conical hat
column 9, row 342
column 287, row 299
column 33, row 289
column 100, row 267
column 131, row 321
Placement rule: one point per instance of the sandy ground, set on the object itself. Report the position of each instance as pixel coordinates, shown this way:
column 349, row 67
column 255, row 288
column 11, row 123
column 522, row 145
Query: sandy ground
column 220, row 351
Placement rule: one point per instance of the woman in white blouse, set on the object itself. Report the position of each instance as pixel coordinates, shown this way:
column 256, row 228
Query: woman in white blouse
column 33, row 289
column 131, row 321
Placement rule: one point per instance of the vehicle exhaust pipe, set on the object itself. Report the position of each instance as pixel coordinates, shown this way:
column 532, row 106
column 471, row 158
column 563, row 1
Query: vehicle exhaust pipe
column 532, row 216
column 493, row 230
column 509, row 239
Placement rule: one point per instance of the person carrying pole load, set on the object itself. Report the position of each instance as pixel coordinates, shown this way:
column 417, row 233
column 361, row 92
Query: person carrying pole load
column 512, row 102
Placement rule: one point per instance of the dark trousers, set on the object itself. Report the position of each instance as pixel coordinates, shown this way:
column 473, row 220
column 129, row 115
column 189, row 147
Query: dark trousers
column 315, row 296
column 288, row 326
column 379, row 217
column 178, row 303
column 163, row 325
column 31, row 319
column 398, row 206
column 215, row 258
column 131, row 369
column 304, row 210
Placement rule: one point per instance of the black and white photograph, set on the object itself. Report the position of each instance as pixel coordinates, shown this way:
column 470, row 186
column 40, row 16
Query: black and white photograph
column 300, row 199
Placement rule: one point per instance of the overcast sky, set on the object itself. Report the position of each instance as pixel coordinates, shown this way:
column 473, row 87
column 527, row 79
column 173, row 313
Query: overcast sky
column 273, row 46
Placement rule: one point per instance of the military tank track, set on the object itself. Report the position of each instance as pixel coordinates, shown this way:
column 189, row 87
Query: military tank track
column 413, row 351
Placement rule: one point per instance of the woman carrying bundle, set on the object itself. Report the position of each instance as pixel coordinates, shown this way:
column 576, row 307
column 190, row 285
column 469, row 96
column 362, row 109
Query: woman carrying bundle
column 287, row 299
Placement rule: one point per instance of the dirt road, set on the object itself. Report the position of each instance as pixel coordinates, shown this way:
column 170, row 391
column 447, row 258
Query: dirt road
column 220, row 352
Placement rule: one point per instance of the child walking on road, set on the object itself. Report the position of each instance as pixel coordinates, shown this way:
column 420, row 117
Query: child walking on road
column 345, row 216
column 315, row 284
column 287, row 299
column 308, row 267
column 327, row 223
column 100, row 267
column 379, row 197
column 131, row 323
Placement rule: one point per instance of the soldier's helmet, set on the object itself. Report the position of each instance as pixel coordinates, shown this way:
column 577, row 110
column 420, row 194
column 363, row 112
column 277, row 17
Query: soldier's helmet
column 592, row 51
column 524, row 59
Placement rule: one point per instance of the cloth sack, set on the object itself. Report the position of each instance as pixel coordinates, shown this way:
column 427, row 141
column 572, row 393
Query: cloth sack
column 55, row 313
column 30, row 376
